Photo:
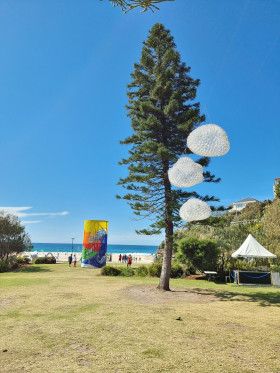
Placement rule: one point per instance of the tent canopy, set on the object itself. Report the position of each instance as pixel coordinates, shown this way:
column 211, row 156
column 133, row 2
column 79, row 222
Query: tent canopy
column 252, row 249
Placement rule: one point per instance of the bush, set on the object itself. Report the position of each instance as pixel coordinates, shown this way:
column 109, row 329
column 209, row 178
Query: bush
column 45, row 260
column 142, row 271
column 245, row 265
column 275, row 267
column 4, row 266
column 12, row 262
column 126, row 271
column 155, row 269
column 200, row 254
column 188, row 271
column 110, row 271
column 176, row 270
column 23, row 260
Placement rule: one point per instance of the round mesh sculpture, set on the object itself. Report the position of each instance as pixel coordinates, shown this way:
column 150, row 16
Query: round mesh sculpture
column 208, row 140
column 194, row 209
column 185, row 173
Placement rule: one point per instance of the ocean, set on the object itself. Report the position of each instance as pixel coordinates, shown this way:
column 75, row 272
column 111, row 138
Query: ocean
column 111, row 249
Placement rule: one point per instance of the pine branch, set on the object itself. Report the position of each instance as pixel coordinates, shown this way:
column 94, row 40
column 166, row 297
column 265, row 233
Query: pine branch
column 127, row 5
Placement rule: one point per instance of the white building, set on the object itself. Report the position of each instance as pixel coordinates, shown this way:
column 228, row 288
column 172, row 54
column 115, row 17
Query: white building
column 239, row 205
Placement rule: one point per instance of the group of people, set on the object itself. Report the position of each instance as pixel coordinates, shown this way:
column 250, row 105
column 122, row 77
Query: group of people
column 126, row 259
column 72, row 259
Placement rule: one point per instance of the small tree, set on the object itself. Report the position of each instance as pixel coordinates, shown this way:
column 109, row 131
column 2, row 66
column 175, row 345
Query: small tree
column 13, row 238
column 277, row 190
column 200, row 254
column 271, row 227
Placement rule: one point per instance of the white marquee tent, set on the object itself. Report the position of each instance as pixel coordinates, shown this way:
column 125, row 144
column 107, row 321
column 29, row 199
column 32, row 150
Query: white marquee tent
column 251, row 248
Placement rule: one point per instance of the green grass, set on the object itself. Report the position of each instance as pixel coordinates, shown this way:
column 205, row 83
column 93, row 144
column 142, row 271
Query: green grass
column 60, row 319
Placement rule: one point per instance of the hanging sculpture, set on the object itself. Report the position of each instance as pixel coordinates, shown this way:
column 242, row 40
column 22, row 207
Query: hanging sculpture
column 208, row 140
column 94, row 244
column 195, row 209
column 185, row 173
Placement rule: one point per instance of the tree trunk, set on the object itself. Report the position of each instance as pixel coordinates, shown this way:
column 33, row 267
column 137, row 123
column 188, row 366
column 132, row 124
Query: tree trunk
column 167, row 258
column 166, row 263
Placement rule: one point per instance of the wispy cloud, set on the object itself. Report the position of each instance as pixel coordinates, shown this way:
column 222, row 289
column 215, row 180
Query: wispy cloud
column 44, row 214
column 31, row 221
column 18, row 212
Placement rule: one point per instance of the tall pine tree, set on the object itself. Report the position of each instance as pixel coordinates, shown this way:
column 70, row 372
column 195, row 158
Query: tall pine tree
column 163, row 112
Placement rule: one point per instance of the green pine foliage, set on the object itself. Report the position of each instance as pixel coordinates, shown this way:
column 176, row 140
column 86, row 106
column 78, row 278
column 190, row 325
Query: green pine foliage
column 127, row 5
column 163, row 111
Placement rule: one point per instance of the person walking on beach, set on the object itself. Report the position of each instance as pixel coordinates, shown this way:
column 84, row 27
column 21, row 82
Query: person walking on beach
column 120, row 258
column 70, row 260
column 129, row 261
column 75, row 260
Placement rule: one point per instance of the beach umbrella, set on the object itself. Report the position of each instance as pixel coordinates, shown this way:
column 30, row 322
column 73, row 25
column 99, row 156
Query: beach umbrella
column 195, row 209
column 185, row 173
column 208, row 140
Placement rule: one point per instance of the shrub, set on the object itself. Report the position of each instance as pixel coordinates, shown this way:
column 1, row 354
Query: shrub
column 142, row 271
column 23, row 260
column 110, row 271
column 126, row 271
column 12, row 262
column 188, row 271
column 275, row 267
column 155, row 269
column 176, row 270
column 200, row 254
column 245, row 265
column 4, row 266
column 45, row 260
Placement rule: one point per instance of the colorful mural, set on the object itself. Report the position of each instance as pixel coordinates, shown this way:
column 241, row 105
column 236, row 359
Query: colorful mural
column 94, row 244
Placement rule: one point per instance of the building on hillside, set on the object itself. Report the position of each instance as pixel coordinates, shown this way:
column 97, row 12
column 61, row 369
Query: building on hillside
column 277, row 181
column 239, row 205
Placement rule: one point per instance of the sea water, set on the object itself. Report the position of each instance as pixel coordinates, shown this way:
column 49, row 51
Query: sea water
column 111, row 249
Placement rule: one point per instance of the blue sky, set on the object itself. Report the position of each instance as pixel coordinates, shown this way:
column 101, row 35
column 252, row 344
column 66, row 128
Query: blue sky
column 64, row 69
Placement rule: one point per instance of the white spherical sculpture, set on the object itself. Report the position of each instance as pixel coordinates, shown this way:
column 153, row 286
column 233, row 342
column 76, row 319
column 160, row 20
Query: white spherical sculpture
column 195, row 209
column 185, row 173
column 208, row 140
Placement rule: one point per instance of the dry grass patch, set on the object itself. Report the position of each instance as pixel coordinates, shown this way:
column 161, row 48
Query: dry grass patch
column 152, row 295
column 61, row 319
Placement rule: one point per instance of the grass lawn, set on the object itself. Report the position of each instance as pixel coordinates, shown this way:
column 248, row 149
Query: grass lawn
column 60, row 319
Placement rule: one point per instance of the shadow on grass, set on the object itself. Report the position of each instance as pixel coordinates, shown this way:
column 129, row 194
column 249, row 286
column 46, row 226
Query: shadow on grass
column 264, row 299
column 32, row 269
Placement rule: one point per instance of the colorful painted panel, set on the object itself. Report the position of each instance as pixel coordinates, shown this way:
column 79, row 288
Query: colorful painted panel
column 94, row 244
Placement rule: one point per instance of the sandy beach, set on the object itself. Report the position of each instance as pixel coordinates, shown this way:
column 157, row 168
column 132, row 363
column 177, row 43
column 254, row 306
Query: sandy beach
column 63, row 257
column 142, row 259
